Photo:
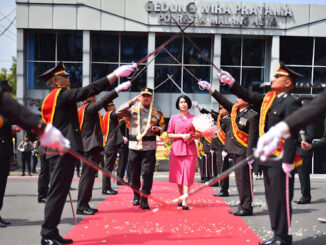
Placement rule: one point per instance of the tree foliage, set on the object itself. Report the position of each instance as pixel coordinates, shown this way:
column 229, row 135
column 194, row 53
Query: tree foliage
column 10, row 76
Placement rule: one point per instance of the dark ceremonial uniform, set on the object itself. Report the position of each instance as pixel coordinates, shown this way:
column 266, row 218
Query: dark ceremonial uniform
column 321, row 142
column 90, row 122
column 241, row 138
column 274, row 177
column 113, row 139
column 20, row 115
column 304, row 169
column 6, row 152
column 142, row 152
column 123, row 150
column 60, row 109
column 207, row 166
column 309, row 113
column 44, row 176
column 218, row 145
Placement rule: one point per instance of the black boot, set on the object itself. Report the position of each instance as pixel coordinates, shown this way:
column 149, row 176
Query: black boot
column 136, row 202
column 144, row 203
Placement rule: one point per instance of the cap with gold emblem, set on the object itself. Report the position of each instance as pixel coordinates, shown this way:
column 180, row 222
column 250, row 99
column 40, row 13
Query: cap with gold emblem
column 147, row 91
column 283, row 70
column 59, row 69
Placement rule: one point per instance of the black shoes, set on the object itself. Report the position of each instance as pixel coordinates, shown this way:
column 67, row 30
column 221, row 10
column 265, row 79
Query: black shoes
column 233, row 211
column 242, row 212
column 59, row 240
column 275, row 241
column 86, row 211
column 109, row 192
column 41, row 199
column 303, row 200
column 136, row 201
column 185, row 207
column 180, row 204
column 268, row 242
column 4, row 223
column 93, row 209
column 144, row 203
column 221, row 194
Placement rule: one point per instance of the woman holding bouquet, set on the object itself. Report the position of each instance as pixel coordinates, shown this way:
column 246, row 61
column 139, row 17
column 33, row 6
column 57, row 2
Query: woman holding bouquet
column 183, row 151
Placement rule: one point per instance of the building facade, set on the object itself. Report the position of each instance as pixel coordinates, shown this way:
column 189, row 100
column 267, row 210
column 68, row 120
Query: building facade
column 93, row 37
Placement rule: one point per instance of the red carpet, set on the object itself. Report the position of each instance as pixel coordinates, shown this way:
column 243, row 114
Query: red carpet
column 207, row 221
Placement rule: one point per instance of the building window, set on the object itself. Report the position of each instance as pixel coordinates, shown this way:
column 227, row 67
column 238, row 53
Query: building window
column 307, row 56
column 244, row 58
column 45, row 49
column 182, row 50
column 110, row 50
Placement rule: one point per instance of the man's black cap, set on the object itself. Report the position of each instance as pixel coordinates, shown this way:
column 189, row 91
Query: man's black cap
column 283, row 70
column 147, row 91
column 5, row 85
column 59, row 69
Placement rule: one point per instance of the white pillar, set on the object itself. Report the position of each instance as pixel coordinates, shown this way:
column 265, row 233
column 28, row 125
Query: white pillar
column 21, row 85
column 151, row 66
column 86, row 58
column 217, row 50
column 275, row 56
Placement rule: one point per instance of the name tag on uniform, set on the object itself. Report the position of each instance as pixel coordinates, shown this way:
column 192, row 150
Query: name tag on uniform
column 243, row 121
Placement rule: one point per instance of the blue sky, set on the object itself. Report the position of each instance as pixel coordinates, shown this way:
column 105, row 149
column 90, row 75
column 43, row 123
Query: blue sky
column 8, row 40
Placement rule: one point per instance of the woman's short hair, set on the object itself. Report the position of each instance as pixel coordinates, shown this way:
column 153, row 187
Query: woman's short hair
column 186, row 98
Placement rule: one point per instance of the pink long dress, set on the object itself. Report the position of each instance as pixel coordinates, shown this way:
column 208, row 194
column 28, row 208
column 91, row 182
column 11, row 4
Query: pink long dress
column 182, row 155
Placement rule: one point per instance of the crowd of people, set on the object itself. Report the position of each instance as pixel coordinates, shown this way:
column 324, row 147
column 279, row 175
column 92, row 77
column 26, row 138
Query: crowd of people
column 260, row 125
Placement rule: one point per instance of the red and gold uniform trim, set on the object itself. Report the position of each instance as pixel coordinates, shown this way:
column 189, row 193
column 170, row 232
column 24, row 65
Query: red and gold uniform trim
column 106, row 125
column 49, row 105
column 241, row 137
column 220, row 132
column 267, row 103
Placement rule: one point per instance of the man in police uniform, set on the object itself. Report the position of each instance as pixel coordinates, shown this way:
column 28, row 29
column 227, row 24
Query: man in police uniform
column 275, row 106
column 123, row 150
column 240, row 140
column 60, row 109
column 6, row 151
column 112, row 140
column 11, row 110
column 145, row 123
column 218, row 145
column 90, row 122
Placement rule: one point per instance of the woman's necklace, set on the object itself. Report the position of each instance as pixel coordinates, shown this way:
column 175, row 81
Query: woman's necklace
column 148, row 125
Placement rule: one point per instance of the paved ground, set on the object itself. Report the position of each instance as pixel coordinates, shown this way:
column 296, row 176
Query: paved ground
column 26, row 215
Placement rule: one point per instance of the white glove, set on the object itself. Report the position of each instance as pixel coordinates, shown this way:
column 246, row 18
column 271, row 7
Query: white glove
column 123, row 86
column 287, row 168
column 250, row 162
column 204, row 85
column 125, row 139
column 53, row 138
column 224, row 154
column 125, row 70
column 196, row 105
column 269, row 142
column 226, row 78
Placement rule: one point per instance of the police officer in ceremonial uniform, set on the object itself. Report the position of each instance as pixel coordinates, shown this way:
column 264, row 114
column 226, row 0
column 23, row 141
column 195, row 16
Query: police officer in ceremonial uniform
column 218, row 145
column 275, row 107
column 112, row 140
column 123, row 150
column 11, row 110
column 6, row 151
column 60, row 109
column 145, row 124
column 240, row 140
column 90, row 122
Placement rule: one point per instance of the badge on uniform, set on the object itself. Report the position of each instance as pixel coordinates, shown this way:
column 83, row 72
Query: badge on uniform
column 243, row 121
